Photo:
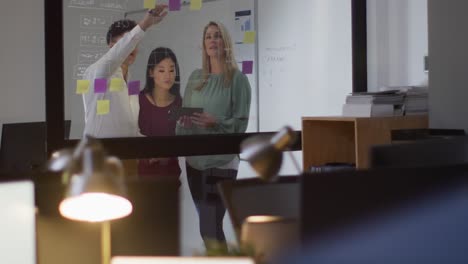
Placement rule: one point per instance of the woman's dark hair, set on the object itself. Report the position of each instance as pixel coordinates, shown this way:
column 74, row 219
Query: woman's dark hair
column 156, row 56
column 118, row 28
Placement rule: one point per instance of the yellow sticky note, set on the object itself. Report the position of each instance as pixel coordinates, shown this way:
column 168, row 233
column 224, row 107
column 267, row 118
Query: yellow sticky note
column 149, row 4
column 249, row 37
column 195, row 4
column 103, row 107
column 82, row 86
column 116, row 85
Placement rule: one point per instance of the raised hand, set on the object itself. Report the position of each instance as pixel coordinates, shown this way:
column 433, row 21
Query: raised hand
column 153, row 16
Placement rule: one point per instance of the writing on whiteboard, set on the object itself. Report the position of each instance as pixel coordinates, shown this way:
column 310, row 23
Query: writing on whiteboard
column 114, row 4
column 92, row 39
column 81, row 3
column 86, row 56
column 95, row 22
column 278, row 54
column 79, row 70
column 281, row 49
column 118, row 5
column 275, row 61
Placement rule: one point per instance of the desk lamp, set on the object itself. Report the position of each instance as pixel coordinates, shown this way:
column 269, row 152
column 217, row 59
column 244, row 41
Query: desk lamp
column 265, row 153
column 267, row 233
column 96, row 190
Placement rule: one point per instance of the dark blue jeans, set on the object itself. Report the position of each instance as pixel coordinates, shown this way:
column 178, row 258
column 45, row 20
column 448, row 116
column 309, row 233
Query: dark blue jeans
column 208, row 201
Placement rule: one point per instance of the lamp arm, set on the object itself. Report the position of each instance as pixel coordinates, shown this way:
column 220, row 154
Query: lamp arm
column 296, row 164
column 105, row 242
column 116, row 166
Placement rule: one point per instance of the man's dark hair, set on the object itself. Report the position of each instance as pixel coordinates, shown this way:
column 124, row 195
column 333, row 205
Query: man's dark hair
column 118, row 28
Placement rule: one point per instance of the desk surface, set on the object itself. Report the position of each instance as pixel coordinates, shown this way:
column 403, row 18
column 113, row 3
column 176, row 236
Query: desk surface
column 181, row 260
column 352, row 119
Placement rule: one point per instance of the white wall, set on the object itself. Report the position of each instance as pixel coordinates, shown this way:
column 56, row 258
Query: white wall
column 397, row 42
column 448, row 64
column 22, row 73
column 305, row 62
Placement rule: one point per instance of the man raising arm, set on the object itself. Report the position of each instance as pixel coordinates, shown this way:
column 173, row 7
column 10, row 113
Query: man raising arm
column 122, row 38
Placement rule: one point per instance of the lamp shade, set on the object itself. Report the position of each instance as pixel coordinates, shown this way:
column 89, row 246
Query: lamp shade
column 265, row 153
column 96, row 191
column 269, row 235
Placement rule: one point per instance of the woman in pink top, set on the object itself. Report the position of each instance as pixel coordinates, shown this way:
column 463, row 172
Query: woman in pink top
column 160, row 96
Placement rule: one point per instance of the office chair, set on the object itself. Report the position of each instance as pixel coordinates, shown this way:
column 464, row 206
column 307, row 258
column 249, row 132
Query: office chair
column 393, row 215
column 254, row 196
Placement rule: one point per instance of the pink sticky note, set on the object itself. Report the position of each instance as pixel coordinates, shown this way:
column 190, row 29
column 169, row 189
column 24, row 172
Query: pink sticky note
column 247, row 67
column 174, row 5
column 100, row 85
column 133, row 87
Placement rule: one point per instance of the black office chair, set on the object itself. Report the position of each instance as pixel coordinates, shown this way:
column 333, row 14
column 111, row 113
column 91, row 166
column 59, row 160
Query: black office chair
column 247, row 197
column 393, row 215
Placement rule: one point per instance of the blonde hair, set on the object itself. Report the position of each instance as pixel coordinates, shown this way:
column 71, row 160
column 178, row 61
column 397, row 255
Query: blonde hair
column 229, row 65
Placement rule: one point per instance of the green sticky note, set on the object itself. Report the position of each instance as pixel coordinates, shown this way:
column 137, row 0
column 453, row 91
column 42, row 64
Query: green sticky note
column 195, row 4
column 82, row 86
column 149, row 4
column 116, row 85
column 249, row 37
column 103, row 107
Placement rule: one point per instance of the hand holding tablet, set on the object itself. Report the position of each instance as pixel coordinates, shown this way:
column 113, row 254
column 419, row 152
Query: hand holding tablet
column 176, row 114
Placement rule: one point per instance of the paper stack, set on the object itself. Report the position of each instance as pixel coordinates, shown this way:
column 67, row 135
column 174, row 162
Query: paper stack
column 368, row 104
column 416, row 101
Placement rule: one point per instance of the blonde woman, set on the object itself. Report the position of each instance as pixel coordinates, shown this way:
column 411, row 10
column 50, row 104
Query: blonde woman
column 224, row 93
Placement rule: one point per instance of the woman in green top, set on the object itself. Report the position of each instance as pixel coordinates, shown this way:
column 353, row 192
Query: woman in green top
column 224, row 94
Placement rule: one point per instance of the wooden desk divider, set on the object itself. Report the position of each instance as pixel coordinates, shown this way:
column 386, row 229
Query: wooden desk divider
column 348, row 139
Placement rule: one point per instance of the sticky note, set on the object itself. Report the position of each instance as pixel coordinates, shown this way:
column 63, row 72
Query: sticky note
column 82, row 86
column 133, row 87
column 149, row 4
column 247, row 67
column 174, row 5
column 195, row 4
column 100, row 85
column 249, row 37
column 103, row 107
column 116, row 85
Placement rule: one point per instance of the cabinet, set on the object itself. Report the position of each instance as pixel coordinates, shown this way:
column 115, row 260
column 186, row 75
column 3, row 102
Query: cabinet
column 348, row 139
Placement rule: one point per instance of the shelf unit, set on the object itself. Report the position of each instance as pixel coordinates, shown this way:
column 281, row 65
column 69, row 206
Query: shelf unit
column 348, row 139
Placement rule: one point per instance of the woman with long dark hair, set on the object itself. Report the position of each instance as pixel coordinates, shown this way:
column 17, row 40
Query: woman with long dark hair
column 158, row 99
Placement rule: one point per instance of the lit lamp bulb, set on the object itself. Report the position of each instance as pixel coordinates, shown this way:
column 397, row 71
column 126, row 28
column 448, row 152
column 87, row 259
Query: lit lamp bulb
column 95, row 207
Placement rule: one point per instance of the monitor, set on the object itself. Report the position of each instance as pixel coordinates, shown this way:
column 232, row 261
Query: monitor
column 430, row 152
column 330, row 202
column 17, row 223
column 23, row 146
